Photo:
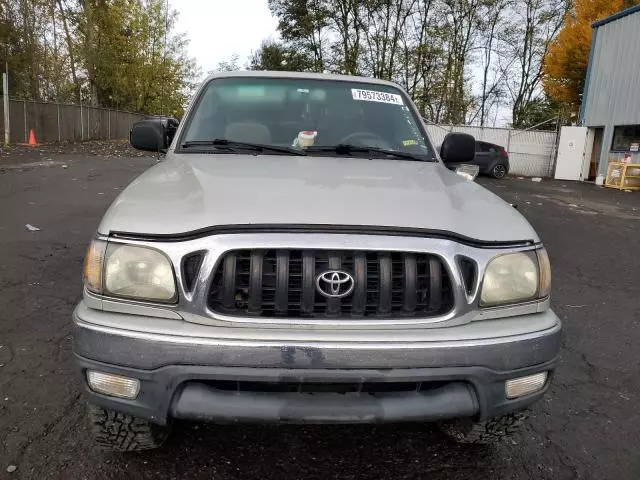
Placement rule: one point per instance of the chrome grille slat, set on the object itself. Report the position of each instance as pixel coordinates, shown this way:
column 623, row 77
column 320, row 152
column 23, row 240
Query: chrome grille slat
column 255, row 283
column 359, row 299
column 333, row 304
column 385, row 279
column 308, row 281
column 282, row 283
column 409, row 291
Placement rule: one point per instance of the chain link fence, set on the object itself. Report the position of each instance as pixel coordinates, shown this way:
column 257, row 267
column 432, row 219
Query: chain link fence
column 532, row 153
column 60, row 122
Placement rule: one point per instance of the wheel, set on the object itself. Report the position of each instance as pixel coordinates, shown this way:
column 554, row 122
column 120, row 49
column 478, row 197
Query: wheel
column 499, row 171
column 465, row 430
column 120, row 432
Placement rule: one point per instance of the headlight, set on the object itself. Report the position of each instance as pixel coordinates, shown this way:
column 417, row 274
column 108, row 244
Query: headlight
column 516, row 277
column 129, row 271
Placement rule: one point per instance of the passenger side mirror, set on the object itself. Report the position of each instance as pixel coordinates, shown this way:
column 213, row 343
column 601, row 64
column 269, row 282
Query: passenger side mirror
column 148, row 135
column 458, row 148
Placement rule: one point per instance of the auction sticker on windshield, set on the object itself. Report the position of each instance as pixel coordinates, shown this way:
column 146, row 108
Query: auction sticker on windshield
column 374, row 96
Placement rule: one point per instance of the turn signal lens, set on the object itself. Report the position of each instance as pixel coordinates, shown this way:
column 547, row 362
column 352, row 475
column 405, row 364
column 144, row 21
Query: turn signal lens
column 113, row 385
column 93, row 263
column 519, row 387
column 545, row 273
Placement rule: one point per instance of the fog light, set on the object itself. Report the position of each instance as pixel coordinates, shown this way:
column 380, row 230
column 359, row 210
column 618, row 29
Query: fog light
column 519, row 387
column 113, row 385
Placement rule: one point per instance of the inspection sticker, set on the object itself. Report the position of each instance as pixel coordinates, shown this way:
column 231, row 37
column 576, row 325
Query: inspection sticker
column 373, row 96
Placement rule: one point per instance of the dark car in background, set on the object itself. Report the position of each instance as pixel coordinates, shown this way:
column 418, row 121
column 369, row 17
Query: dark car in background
column 491, row 158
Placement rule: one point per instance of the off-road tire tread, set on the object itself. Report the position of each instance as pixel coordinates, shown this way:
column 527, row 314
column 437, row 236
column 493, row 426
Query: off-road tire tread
column 120, row 432
column 465, row 430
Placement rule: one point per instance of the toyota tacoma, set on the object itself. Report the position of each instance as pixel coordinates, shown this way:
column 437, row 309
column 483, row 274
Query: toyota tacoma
column 303, row 255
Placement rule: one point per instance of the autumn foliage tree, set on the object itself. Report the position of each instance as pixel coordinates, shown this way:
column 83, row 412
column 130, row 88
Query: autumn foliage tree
column 565, row 65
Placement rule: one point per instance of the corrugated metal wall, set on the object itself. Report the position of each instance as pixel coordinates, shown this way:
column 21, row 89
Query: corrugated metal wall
column 531, row 153
column 613, row 94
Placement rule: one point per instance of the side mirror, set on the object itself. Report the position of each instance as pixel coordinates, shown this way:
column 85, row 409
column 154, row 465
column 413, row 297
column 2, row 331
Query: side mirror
column 458, row 148
column 148, row 135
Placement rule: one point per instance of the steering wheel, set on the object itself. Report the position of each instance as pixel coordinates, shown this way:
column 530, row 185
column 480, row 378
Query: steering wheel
column 366, row 139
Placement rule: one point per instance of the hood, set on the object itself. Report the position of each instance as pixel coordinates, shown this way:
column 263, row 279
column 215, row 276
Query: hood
column 189, row 192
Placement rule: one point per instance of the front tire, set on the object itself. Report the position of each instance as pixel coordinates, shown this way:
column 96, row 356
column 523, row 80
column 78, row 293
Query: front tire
column 119, row 432
column 467, row 431
column 499, row 171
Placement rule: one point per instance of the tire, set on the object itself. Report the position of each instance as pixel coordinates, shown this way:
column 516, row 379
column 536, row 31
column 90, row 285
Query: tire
column 119, row 432
column 499, row 170
column 466, row 431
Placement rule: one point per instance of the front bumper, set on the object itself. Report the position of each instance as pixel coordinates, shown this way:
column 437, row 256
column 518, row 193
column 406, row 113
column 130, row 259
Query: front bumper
column 178, row 373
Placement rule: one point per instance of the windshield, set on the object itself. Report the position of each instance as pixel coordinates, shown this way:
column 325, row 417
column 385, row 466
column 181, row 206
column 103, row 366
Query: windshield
column 319, row 116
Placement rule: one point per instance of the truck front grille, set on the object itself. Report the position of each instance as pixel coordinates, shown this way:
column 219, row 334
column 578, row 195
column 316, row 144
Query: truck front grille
column 330, row 284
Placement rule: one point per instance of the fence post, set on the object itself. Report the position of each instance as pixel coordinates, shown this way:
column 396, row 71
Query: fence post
column 509, row 141
column 24, row 112
column 109, row 122
column 81, row 123
column 58, row 113
column 5, row 92
column 88, row 124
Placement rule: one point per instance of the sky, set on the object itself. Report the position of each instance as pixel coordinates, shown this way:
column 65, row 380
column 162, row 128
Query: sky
column 217, row 29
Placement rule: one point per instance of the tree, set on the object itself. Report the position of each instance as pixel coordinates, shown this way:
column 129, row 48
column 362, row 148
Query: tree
column 490, row 20
column 462, row 20
column 302, row 25
column 541, row 113
column 70, row 49
column 131, row 57
column 384, row 26
column 276, row 56
column 565, row 65
column 534, row 25
column 433, row 48
column 230, row 65
column 115, row 53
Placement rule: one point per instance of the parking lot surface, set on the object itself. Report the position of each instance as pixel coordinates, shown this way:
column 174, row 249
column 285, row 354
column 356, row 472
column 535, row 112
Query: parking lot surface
column 587, row 426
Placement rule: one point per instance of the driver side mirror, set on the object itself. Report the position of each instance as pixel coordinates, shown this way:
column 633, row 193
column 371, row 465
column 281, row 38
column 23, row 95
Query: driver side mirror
column 148, row 135
column 458, row 148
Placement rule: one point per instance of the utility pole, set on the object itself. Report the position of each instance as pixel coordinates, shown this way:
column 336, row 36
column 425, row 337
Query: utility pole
column 5, row 94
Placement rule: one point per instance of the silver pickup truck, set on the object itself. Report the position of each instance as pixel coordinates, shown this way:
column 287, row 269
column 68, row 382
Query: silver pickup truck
column 303, row 255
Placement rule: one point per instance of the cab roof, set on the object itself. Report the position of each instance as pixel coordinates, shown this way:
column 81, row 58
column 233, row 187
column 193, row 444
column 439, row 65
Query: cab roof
column 301, row 75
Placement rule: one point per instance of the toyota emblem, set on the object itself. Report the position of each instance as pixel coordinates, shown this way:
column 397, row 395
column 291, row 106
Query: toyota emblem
column 335, row 283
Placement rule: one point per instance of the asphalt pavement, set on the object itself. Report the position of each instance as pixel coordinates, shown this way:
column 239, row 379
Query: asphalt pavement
column 586, row 427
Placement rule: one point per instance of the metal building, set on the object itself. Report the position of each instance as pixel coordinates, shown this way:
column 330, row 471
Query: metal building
column 611, row 98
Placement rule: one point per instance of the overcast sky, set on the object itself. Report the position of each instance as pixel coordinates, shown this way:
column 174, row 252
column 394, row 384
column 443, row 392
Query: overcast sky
column 219, row 28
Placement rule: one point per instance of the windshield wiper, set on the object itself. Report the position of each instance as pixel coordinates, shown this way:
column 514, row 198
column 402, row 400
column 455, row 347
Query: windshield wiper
column 346, row 149
column 232, row 145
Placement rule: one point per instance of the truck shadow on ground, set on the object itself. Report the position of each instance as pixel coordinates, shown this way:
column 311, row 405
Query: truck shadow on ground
column 320, row 451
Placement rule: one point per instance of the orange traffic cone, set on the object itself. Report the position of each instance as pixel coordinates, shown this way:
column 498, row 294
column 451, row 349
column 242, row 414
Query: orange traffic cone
column 32, row 138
